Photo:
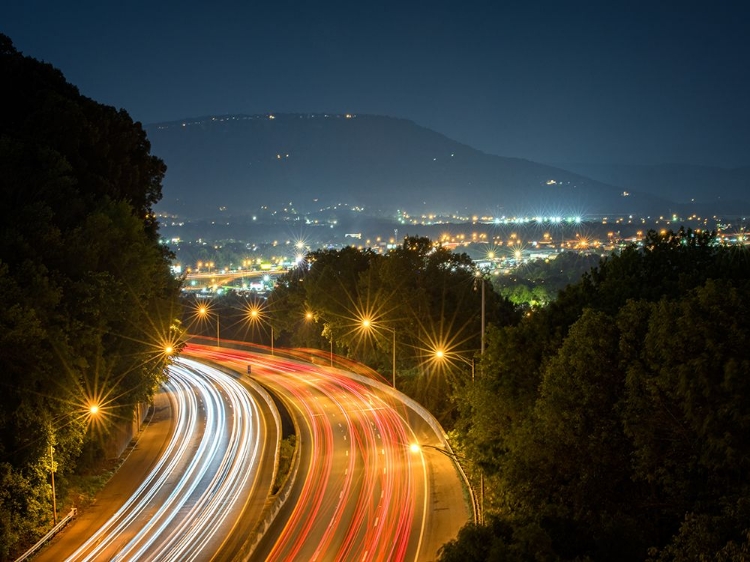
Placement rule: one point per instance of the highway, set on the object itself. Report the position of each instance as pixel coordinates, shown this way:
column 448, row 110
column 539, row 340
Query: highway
column 360, row 493
column 206, row 492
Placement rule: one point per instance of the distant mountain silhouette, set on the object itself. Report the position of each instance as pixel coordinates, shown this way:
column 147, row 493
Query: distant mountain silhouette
column 239, row 163
column 710, row 189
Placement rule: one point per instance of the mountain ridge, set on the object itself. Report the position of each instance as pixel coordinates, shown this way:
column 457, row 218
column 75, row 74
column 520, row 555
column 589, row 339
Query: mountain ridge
column 238, row 163
column 685, row 184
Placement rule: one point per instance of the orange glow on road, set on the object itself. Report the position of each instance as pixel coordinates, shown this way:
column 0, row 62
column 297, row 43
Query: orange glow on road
column 363, row 493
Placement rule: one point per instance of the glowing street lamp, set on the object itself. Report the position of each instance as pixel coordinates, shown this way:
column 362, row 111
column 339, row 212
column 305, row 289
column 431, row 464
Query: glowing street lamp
column 256, row 315
column 92, row 410
column 368, row 324
column 441, row 355
column 205, row 312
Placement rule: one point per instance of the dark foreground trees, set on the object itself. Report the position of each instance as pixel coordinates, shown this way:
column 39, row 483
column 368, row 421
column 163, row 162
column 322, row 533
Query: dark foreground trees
column 87, row 292
column 615, row 423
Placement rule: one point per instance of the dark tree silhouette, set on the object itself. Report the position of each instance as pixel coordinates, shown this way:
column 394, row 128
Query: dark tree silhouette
column 88, row 290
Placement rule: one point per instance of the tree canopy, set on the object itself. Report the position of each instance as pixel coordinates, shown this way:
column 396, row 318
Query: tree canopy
column 90, row 299
column 615, row 422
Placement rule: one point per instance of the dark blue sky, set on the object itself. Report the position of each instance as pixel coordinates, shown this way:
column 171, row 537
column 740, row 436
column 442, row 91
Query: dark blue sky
column 555, row 82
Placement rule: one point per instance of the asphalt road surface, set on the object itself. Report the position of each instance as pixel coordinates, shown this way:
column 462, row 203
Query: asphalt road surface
column 360, row 493
column 196, row 483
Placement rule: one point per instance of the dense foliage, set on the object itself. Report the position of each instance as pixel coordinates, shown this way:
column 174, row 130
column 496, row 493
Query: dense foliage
column 614, row 424
column 88, row 294
column 538, row 282
column 427, row 294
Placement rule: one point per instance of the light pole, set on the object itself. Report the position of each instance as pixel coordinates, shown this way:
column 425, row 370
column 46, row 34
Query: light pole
column 93, row 410
column 256, row 315
column 440, row 354
column 368, row 324
column 52, row 476
column 480, row 277
column 310, row 316
column 204, row 311
column 481, row 349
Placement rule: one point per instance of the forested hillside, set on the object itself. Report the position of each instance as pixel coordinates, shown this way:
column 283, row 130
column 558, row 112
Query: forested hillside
column 89, row 300
column 614, row 424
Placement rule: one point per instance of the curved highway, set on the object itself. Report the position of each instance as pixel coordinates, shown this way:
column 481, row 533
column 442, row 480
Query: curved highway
column 360, row 493
column 191, row 505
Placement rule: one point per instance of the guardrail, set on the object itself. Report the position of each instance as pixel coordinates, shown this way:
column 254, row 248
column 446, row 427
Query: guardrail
column 425, row 414
column 46, row 538
column 283, row 494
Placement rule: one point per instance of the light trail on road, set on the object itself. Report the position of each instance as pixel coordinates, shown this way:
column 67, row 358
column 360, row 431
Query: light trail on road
column 361, row 494
column 186, row 507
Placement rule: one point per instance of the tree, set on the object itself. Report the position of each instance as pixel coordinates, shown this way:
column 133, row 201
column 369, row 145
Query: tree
column 607, row 416
column 94, row 301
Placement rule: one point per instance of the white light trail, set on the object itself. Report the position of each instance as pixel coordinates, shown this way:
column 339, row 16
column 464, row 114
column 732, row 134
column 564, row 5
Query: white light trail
column 212, row 455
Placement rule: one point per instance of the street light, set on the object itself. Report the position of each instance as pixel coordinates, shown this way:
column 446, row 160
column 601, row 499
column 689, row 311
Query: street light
column 309, row 316
column 93, row 410
column 368, row 324
column 205, row 311
column 442, row 356
column 480, row 276
column 256, row 316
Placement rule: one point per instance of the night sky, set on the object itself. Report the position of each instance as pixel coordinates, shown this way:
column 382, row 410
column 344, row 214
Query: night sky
column 555, row 82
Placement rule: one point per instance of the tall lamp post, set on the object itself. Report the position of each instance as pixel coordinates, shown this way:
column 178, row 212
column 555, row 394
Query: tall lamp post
column 256, row 315
column 440, row 354
column 367, row 324
column 480, row 278
column 310, row 316
column 204, row 311
column 93, row 410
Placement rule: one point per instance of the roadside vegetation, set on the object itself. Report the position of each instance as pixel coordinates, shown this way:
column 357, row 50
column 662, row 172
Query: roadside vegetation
column 614, row 424
column 89, row 298
column 287, row 448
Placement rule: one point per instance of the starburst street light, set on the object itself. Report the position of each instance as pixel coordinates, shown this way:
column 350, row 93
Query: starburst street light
column 92, row 410
column 256, row 314
column 442, row 355
column 368, row 324
column 204, row 311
